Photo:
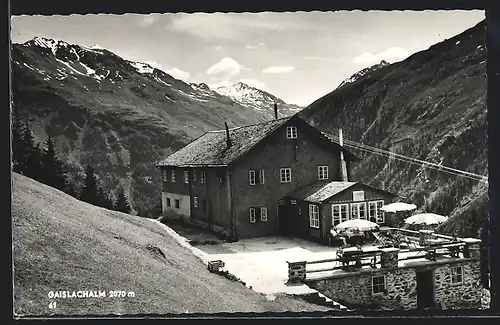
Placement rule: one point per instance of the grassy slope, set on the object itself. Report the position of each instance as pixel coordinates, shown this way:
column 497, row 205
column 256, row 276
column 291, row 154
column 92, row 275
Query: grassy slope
column 64, row 244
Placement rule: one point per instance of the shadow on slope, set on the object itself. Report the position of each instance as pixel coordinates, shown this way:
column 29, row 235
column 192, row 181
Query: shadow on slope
column 60, row 243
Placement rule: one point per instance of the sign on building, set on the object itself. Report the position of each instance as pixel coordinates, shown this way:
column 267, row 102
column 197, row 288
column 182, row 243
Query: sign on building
column 358, row 195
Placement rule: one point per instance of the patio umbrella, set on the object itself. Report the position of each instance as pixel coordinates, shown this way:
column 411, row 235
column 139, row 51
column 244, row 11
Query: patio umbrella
column 398, row 206
column 425, row 219
column 356, row 225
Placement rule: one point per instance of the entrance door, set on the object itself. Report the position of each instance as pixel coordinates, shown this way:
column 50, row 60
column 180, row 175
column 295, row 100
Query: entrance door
column 285, row 220
column 426, row 289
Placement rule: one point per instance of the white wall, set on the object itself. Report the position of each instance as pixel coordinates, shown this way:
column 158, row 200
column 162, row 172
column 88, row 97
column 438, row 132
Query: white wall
column 184, row 209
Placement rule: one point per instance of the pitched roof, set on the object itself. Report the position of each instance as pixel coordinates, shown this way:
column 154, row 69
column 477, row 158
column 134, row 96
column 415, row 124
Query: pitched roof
column 320, row 191
column 211, row 148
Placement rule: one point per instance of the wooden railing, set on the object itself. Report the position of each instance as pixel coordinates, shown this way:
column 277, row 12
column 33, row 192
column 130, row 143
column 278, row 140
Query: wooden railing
column 355, row 258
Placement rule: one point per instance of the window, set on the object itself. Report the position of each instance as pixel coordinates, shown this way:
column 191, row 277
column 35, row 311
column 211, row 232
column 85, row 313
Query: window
column 164, row 175
column 293, row 202
column 177, row 203
column 358, row 195
column 186, row 176
column 291, row 132
column 313, row 216
column 286, row 175
column 358, row 210
column 202, row 177
column 263, row 214
column 380, row 212
column 251, row 177
column 252, row 215
column 195, row 201
column 374, row 212
column 340, row 213
column 281, row 202
column 322, row 172
column 168, row 201
column 262, row 179
column 194, row 176
column 457, row 274
column 378, row 284
column 173, row 176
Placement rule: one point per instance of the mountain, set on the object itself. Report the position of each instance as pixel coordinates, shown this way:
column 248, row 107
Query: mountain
column 432, row 107
column 60, row 243
column 258, row 99
column 122, row 116
column 363, row 72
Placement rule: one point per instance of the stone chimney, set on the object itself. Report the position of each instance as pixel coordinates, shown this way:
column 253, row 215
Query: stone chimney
column 228, row 138
column 343, row 164
column 275, row 111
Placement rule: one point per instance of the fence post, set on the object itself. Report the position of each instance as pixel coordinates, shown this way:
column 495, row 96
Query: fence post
column 472, row 248
column 389, row 257
column 423, row 236
column 296, row 271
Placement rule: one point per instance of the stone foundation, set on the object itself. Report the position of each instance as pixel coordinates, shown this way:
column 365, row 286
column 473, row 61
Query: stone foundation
column 355, row 289
column 465, row 295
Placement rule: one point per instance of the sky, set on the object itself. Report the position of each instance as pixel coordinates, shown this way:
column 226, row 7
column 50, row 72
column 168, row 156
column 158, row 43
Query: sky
column 297, row 56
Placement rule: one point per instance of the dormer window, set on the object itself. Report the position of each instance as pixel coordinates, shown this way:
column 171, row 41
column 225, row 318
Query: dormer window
column 291, row 132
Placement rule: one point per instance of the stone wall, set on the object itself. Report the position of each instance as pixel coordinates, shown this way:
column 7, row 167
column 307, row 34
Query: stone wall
column 465, row 295
column 354, row 289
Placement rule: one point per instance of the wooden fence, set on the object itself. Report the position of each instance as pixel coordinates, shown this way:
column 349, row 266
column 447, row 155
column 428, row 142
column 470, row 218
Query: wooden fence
column 354, row 258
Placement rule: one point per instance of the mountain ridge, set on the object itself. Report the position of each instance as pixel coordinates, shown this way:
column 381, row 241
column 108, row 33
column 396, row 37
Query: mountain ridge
column 119, row 115
column 363, row 72
column 430, row 106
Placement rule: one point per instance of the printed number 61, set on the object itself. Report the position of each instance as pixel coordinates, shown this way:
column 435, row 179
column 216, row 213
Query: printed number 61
column 52, row 305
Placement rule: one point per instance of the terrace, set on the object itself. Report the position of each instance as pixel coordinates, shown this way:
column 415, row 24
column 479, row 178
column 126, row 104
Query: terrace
column 394, row 248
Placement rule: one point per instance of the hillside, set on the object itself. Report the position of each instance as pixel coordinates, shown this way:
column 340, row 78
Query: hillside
column 121, row 116
column 60, row 243
column 431, row 106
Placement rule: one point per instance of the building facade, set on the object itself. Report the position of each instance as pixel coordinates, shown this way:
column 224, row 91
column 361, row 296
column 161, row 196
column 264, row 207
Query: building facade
column 232, row 181
column 312, row 211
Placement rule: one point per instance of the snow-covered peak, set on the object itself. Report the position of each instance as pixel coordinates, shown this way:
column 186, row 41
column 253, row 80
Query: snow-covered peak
column 47, row 43
column 142, row 67
column 243, row 92
column 55, row 45
column 363, row 72
column 97, row 47
column 201, row 86
column 250, row 96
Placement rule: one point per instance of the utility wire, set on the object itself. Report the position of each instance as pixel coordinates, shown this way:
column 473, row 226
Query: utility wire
column 421, row 163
